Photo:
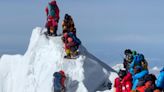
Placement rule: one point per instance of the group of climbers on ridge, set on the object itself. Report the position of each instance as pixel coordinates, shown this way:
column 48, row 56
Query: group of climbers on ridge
column 69, row 38
column 71, row 42
column 135, row 76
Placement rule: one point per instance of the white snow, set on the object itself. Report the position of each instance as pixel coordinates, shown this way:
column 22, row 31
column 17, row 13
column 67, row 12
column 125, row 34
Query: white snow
column 32, row 72
column 155, row 70
column 118, row 67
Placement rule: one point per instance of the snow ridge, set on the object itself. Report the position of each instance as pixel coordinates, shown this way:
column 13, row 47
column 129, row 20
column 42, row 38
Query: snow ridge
column 32, row 72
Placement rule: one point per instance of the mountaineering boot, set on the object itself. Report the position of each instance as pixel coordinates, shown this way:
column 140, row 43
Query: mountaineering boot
column 75, row 54
column 67, row 56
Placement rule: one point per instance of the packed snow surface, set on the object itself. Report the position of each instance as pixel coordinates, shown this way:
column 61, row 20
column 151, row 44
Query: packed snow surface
column 32, row 72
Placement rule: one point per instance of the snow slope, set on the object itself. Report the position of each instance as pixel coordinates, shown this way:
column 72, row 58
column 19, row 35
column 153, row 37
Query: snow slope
column 32, row 72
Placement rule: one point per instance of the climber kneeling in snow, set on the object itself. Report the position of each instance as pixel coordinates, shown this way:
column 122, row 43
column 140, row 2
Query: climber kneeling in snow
column 68, row 24
column 71, row 43
column 59, row 81
column 52, row 12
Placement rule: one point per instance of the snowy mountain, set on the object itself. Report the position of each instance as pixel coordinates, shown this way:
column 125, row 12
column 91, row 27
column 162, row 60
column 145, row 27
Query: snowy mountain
column 32, row 72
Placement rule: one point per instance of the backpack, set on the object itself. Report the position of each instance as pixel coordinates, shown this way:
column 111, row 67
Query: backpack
column 137, row 61
column 76, row 40
column 57, row 82
column 51, row 9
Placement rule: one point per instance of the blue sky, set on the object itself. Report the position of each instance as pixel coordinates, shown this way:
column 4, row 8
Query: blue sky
column 106, row 27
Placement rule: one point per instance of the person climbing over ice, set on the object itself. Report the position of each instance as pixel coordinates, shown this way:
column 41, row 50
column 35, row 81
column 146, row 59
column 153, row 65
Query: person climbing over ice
column 71, row 45
column 52, row 12
column 71, row 48
column 59, row 81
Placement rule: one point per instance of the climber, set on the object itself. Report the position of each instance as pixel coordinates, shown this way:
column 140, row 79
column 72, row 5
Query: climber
column 127, row 59
column 127, row 83
column 52, row 12
column 51, row 26
column 160, row 80
column 138, row 60
column 68, row 24
column 71, row 43
column 138, row 74
column 124, row 82
column 148, row 84
column 71, row 48
column 142, row 81
column 59, row 81
column 72, row 35
column 117, row 81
